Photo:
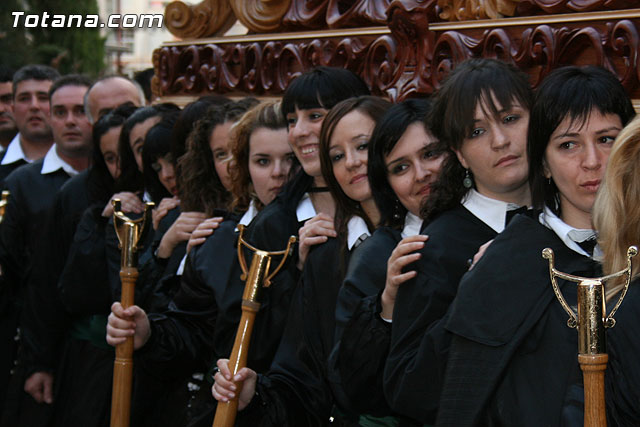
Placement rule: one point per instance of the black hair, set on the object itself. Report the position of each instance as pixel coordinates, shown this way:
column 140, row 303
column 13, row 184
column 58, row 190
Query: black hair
column 34, row 72
column 157, row 144
column 389, row 129
column 322, row 87
column 143, row 78
column 100, row 183
column 371, row 106
column 130, row 178
column 488, row 83
column 6, row 74
column 69, row 80
column 570, row 92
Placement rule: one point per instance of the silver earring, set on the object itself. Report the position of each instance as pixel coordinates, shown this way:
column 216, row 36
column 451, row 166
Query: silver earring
column 467, row 181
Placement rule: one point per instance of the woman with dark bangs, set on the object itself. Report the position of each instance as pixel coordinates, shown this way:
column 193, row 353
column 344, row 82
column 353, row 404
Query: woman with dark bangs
column 200, row 323
column 404, row 161
column 295, row 391
column 482, row 113
column 513, row 360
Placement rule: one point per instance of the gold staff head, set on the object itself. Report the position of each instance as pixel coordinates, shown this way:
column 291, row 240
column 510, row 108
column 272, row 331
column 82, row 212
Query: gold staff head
column 3, row 204
column 129, row 232
column 591, row 318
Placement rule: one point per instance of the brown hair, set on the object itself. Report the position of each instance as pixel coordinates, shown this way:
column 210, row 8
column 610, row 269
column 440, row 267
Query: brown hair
column 199, row 185
column 266, row 115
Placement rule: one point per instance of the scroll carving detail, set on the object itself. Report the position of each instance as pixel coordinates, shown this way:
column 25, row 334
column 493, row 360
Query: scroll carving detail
column 205, row 19
column 260, row 16
column 462, row 10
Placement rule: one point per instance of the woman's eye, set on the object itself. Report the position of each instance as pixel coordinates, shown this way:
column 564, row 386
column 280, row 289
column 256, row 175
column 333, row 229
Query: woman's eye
column 315, row 116
column 336, row 157
column 156, row 167
column 221, row 155
column 606, row 139
column 567, row 145
column 476, row 132
column 363, row 146
column 511, row 118
column 430, row 154
column 397, row 169
column 263, row 162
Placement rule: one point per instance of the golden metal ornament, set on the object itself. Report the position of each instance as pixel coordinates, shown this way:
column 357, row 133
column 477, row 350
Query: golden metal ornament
column 129, row 232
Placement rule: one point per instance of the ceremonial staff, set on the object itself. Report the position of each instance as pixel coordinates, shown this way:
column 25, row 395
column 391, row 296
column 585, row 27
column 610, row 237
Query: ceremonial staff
column 3, row 204
column 129, row 233
column 591, row 320
column 257, row 277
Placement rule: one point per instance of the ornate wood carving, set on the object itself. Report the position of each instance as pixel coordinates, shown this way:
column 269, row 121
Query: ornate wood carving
column 538, row 50
column 462, row 10
column 205, row 19
column 317, row 14
column 534, row 7
column 260, row 16
column 266, row 68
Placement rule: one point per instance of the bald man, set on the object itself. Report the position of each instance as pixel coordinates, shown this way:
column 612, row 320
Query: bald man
column 108, row 93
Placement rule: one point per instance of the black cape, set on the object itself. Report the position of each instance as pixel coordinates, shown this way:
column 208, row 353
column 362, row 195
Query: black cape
column 513, row 359
column 415, row 367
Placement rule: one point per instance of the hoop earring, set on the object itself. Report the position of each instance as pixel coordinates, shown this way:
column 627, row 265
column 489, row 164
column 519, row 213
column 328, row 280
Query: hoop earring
column 467, row 182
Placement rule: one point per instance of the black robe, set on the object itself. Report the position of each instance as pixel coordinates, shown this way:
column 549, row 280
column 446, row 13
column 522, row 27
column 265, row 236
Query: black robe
column 32, row 195
column 415, row 366
column 362, row 337
column 513, row 359
column 5, row 170
column 296, row 389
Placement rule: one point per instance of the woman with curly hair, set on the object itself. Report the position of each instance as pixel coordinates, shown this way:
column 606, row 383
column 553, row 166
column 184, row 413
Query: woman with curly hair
column 200, row 323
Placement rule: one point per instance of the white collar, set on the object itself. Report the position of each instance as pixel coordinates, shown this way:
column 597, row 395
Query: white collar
column 146, row 197
column 14, row 152
column 490, row 211
column 412, row 225
column 52, row 162
column 568, row 234
column 249, row 214
column 356, row 228
column 305, row 209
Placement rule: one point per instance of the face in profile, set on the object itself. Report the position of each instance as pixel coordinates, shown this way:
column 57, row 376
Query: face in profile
column 137, row 135
column 219, row 145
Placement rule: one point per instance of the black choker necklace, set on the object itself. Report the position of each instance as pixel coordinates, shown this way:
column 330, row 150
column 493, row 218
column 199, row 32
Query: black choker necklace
column 318, row 189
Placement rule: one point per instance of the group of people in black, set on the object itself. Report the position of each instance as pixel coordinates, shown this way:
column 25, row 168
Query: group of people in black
column 416, row 294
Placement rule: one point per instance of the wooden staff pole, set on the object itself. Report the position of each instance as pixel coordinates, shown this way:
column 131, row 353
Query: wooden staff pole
column 257, row 277
column 129, row 233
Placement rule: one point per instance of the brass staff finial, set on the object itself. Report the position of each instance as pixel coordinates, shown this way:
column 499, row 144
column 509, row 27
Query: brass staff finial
column 591, row 318
column 129, row 232
column 3, row 204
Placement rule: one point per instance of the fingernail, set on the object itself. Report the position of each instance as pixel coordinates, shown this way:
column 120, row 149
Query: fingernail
column 236, row 378
column 231, row 395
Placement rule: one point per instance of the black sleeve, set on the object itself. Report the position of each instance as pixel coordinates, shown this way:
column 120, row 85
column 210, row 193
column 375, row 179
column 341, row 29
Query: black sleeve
column 13, row 233
column 414, row 371
column 181, row 337
column 83, row 285
column 295, row 391
column 362, row 337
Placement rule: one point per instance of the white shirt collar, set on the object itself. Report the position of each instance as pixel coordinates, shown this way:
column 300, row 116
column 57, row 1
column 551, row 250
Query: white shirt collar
column 490, row 211
column 568, row 234
column 52, row 162
column 249, row 214
column 14, row 152
column 356, row 227
column 305, row 209
column 412, row 225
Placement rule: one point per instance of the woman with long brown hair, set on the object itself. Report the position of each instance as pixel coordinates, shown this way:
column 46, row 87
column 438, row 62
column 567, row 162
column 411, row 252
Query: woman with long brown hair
column 296, row 385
